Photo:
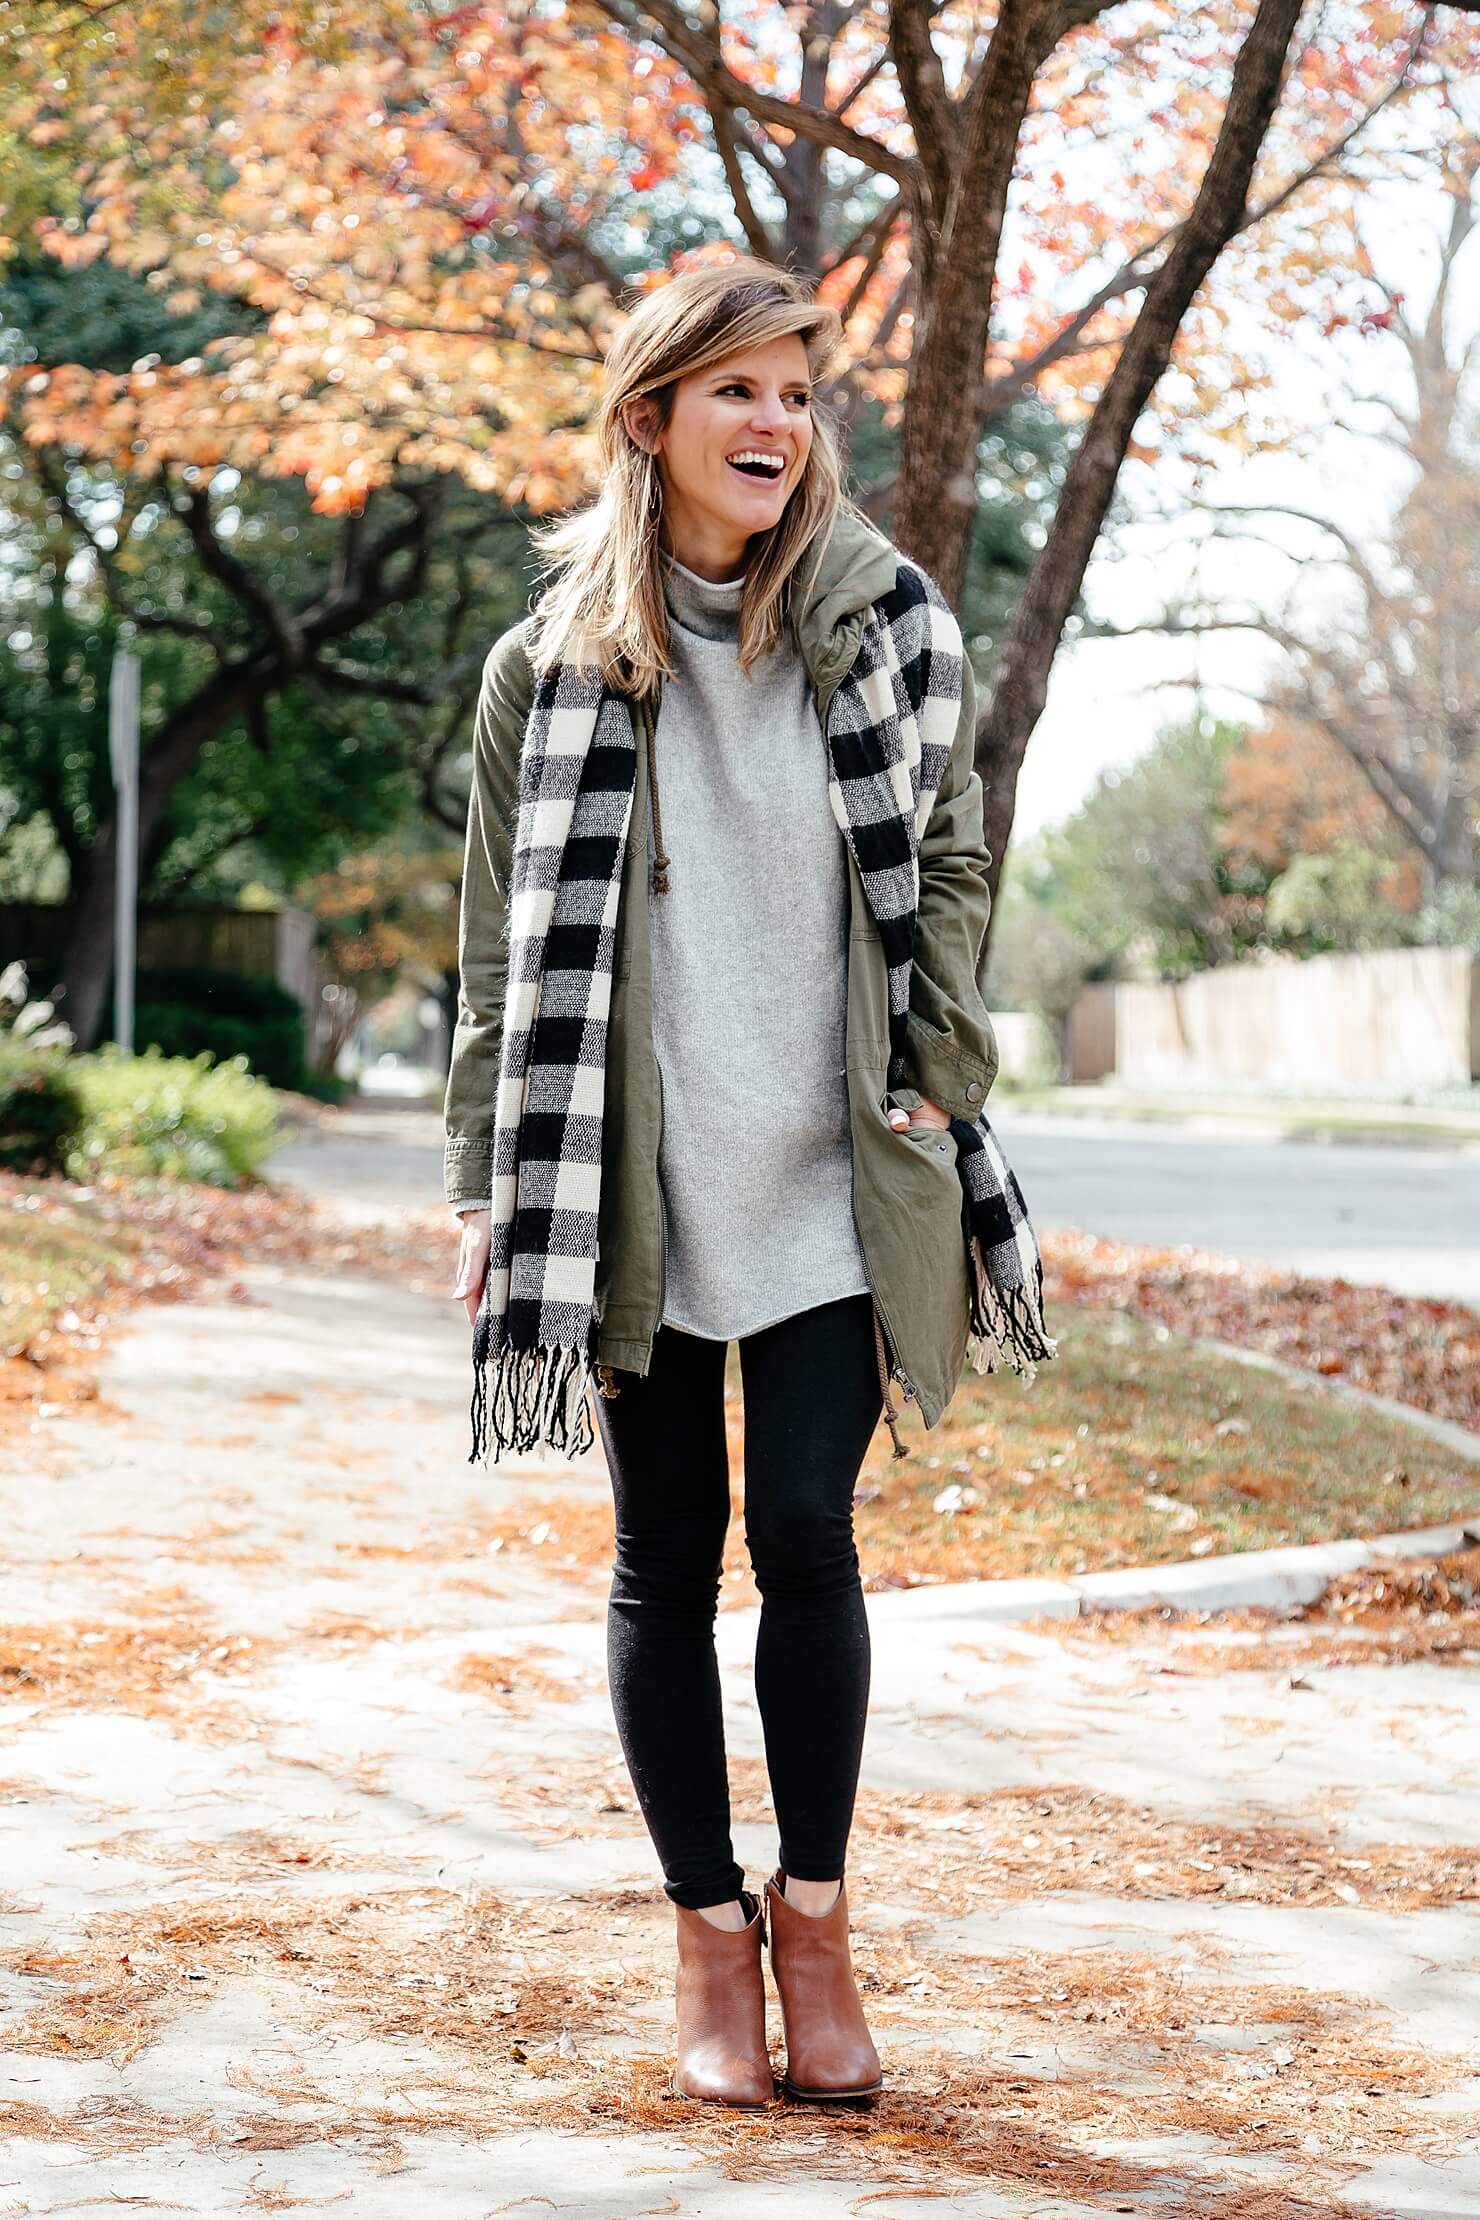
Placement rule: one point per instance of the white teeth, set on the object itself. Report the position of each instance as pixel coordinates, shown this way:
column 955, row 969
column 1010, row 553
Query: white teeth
column 777, row 463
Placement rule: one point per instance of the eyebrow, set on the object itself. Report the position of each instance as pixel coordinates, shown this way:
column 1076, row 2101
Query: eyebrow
column 748, row 377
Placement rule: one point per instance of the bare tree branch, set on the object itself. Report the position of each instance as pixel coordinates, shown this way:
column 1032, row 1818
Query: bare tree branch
column 1044, row 606
column 1004, row 388
column 755, row 231
column 255, row 596
column 699, row 52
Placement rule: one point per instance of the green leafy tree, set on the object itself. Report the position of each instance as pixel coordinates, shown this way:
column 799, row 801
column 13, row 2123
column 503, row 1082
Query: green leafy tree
column 1138, row 873
column 1338, row 900
column 307, row 679
column 1038, row 961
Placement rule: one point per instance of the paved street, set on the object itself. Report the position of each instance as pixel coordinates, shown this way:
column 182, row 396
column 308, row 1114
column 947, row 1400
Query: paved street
column 1401, row 1217
column 1389, row 1214
column 322, row 1883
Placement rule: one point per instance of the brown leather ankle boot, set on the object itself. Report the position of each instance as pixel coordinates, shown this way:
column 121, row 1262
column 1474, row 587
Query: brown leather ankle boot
column 722, row 2051
column 829, row 2051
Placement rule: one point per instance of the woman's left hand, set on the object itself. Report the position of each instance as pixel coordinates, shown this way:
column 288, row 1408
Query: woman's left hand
column 928, row 1113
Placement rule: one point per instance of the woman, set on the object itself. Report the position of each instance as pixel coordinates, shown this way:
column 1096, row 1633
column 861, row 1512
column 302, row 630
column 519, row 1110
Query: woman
column 722, row 1080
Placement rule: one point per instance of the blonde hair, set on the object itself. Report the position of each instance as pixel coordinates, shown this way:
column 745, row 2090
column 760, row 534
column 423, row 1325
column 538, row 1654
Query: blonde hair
column 602, row 603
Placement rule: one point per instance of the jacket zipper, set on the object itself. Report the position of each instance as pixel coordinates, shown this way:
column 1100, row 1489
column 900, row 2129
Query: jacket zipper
column 662, row 1209
column 660, row 886
column 881, row 1323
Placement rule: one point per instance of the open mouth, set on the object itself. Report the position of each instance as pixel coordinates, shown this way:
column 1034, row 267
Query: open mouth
column 754, row 462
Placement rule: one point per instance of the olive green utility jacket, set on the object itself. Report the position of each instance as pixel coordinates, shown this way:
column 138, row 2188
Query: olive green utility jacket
column 906, row 1189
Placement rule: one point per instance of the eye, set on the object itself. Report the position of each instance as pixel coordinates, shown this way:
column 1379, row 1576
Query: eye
column 800, row 398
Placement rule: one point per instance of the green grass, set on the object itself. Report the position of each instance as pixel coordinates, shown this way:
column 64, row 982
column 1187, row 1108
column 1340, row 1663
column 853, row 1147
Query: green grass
column 1068, row 1471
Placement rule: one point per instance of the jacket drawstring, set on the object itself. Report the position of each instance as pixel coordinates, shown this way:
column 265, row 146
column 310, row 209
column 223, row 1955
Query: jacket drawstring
column 660, row 859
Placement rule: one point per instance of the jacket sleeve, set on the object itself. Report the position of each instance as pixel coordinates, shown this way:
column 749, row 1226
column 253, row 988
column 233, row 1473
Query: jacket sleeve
column 504, row 698
column 950, row 1048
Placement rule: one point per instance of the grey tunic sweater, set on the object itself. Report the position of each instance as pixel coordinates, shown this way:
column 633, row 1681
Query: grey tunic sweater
column 750, row 981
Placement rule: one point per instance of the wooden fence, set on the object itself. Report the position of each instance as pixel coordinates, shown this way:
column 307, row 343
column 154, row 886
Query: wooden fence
column 278, row 942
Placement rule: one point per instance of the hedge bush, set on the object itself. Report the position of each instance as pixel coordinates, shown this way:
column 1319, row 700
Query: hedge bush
column 41, row 1110
column 170, row 1117
column 186, row 1010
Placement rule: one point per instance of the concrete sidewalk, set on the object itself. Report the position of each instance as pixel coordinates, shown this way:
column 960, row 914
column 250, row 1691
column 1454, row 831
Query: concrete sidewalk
column 322, row 1881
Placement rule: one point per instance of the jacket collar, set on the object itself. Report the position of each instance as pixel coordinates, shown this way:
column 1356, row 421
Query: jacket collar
column 832, row 592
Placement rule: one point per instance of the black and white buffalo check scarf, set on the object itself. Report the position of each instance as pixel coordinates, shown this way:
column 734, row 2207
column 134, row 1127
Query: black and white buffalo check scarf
column 890, row 726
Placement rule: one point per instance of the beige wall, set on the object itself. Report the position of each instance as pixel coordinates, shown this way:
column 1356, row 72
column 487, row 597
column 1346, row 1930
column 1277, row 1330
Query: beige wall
column 1399, row 1016
column 1090, row 1042
column 1027, row 1053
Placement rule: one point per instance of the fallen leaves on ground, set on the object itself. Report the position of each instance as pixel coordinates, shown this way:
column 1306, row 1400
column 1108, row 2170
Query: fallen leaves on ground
column 1015, row 2069
column 1139, row 1447
column 165, row 1660
column 1393, row 1611
column 1415, row 1348
column 72, row 1256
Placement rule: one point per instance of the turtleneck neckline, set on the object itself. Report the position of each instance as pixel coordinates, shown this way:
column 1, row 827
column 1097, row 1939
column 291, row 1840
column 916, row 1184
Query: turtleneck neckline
column 699, row 578
column 709, row 607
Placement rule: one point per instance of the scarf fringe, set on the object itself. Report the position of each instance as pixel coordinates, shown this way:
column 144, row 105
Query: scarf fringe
column 529, row 1399
column 1006, row 1322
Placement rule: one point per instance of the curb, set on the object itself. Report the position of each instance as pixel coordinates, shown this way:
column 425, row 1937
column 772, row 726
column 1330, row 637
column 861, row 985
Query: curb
column 1272, row 1579
column 1262, row 1121
column 1450, row 1435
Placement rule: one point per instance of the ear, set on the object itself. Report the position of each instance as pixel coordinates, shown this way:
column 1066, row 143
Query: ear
column 641, row 421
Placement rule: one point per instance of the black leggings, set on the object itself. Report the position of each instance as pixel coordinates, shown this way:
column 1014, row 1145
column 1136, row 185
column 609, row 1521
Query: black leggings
column 811, row 1401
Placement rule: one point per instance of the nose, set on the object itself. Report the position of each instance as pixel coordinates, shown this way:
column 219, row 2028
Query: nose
column 769, row 415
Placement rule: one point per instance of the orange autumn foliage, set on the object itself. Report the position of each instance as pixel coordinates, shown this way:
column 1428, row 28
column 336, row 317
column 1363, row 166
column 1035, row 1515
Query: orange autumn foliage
column 418, row 208
column 1288, row 790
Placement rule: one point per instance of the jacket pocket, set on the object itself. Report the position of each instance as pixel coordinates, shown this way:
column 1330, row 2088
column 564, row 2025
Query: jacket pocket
column 934, row 1140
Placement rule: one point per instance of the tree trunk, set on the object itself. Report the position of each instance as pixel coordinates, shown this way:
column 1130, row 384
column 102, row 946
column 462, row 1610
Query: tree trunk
column 1021, row 681
column 1454, row 850
column 86, row 963
column 87, row 958
column 946, row 404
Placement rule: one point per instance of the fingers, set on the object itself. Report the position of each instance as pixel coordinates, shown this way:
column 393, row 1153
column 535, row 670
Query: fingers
column 469, row 1290
column 901, row 1119
column 472, row 1263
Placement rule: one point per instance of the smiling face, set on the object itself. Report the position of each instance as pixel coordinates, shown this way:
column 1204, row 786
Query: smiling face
column 732, row 452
